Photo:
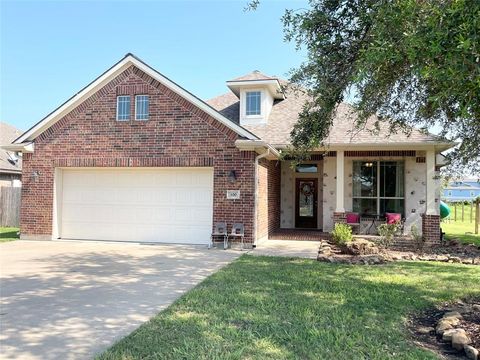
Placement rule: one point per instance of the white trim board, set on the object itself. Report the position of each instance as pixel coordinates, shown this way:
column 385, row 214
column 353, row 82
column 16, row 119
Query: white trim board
column 110, row 74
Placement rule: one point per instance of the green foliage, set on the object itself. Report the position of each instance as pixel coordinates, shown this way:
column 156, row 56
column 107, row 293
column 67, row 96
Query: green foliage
column 387, row 233
column 414, row 63
column 417, row 237
column 342, row 234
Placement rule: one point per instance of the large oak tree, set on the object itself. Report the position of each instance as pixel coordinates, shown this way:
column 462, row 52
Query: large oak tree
column 410, row 62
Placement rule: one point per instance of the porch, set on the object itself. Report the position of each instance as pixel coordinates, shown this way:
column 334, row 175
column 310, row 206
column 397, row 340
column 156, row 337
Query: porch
column 305, row 201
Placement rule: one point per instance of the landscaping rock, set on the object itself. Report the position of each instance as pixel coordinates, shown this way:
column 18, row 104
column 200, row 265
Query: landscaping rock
column 471, row 352
column 453, row 314
column 442, row 327
column 452, row 320
column 455, row 259
column 459, row 340
column 425, row 330
column 448, row 334
column 360, row 247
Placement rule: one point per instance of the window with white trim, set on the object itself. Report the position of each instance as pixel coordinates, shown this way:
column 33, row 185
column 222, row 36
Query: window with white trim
column 378, row 187
column 123, row 108
column 141, row 107
column 253, row 103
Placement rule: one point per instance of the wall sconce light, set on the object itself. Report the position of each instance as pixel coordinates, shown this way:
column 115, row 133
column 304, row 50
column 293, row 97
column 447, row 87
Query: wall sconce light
column 368, row 164
column 35, row 176
column 232, row 176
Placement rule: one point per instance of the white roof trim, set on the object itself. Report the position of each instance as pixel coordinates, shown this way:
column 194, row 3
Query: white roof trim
column 257, row 146
column 24, row 147
column 107, row 76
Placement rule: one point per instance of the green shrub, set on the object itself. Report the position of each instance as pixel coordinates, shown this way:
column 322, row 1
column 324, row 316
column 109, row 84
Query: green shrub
column 342, row 234
column 387, row 233
column 417, row 237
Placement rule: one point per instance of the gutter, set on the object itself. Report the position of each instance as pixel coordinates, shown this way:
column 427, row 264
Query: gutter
column 259, row 147
column 22, row 147
column 255, row 218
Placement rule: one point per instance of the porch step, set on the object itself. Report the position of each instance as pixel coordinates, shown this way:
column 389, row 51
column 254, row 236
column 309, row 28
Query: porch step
column 300, row 235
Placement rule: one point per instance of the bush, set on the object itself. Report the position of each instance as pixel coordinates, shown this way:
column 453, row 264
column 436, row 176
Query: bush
column 342, row 234
column 417, row 237
column 387, row 233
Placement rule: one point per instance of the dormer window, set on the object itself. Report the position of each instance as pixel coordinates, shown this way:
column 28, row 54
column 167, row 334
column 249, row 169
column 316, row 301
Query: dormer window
column 257, row 93
column 253, row 103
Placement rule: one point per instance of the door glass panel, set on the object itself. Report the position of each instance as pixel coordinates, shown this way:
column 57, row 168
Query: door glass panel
column 306, row 199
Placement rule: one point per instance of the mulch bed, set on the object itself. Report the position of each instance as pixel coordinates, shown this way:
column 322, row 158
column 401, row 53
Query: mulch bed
column 420, row 323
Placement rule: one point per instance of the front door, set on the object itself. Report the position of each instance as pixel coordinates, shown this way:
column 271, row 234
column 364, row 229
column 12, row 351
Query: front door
column 306, row 203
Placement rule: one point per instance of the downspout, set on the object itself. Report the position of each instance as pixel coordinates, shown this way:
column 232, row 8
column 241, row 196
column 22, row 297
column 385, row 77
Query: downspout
column 255, row 220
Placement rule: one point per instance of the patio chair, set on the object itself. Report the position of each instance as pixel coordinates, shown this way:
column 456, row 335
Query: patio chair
column 238, row 231
column 392, row 218
column 353, row 219
column 219, row 231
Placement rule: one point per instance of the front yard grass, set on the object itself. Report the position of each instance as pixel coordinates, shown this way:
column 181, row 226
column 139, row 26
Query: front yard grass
column 8, row 234
column 462, row 231
column 281, row 308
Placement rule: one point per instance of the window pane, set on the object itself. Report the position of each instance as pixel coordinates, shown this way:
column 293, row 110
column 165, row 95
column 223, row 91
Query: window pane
column 253, row 101
column 141, row 107
column 306, row 168
column 392, row 206
column 364, row 178
column 123, row 108
column 365, row 206
column 391, row 179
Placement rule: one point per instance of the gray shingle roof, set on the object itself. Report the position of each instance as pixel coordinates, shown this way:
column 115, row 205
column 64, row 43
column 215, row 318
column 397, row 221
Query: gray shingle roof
column 254, row 75
column 8, row 133
column 285, row 112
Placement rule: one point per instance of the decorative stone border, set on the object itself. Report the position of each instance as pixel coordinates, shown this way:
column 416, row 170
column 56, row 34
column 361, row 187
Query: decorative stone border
column 332, row 254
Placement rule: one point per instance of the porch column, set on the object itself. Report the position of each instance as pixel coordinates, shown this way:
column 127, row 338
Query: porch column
column 431, row 218
column 340, row 207
column 432, row 208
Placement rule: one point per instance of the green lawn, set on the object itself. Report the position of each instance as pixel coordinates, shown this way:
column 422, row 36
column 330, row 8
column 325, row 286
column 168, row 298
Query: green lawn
column 8, row 234
column 461, row 228
column 280, row 308
column 463, row 231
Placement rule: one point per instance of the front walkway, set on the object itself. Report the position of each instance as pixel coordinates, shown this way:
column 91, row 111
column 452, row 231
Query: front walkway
column 72, row 299
column 289, row 248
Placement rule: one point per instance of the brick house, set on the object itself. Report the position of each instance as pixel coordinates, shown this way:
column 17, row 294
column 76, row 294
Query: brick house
column 135, row 157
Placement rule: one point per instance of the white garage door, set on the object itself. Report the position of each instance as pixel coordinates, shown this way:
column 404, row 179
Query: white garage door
column 160, row 205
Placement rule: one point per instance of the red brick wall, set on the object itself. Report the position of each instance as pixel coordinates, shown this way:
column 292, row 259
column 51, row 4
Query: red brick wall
column 177, row 134
column 262, row 215
column 269, row 198
column 274, row 173
column 339, row 217
column 431, row 229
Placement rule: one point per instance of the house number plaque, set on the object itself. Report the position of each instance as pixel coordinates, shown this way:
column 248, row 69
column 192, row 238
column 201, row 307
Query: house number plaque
column 233, row 194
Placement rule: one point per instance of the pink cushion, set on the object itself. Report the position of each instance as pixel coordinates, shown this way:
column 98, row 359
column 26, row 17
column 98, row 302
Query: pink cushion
column 353, row 218
column 393, row 218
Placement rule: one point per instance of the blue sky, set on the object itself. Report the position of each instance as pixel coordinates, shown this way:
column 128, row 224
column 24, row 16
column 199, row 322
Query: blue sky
column 50, row 50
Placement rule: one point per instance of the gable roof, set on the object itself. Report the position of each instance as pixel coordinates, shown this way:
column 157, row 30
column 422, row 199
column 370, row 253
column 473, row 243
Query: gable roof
column 284, row 116
column 254, row 75
column 110, row 74
column 9, row 164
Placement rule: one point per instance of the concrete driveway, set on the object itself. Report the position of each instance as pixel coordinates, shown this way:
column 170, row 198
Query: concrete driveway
column 72, row 299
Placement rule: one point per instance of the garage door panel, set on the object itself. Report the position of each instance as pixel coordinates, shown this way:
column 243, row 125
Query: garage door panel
column 154, row 205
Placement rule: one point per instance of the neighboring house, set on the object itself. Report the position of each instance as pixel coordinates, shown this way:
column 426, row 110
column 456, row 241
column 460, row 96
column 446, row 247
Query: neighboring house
column 461, row 190
column 10, row 162
column 134, row 156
